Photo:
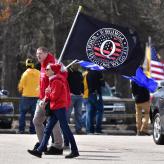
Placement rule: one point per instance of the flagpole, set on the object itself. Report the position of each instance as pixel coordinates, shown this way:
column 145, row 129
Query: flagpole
column 150, row 45
column 61, row 55
column 149, row 40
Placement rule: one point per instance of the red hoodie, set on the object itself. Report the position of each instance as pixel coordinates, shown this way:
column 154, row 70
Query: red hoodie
column 59, row 94
column 44, row 81
column 62, row 74
column 65, row 74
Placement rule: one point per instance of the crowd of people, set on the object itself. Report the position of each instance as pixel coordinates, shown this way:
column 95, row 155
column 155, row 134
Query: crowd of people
column 53, row 92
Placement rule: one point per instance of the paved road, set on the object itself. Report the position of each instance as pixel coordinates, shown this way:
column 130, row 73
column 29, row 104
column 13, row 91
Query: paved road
column 96, row 149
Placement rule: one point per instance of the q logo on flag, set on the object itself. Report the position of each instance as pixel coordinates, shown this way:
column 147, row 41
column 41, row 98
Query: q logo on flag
column 107, row 47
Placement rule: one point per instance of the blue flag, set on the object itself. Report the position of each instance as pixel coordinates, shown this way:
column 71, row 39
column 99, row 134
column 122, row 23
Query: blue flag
column 142, row 80
column 90, row 65
column 113, row 47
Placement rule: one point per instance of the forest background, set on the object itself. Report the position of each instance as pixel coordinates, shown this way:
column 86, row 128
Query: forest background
column 27, row 24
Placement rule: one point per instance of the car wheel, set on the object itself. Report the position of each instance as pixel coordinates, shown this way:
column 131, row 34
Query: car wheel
column 157, row 136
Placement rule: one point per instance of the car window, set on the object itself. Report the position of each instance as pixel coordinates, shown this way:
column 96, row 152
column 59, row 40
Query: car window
column 106, row 91
column 161, row 92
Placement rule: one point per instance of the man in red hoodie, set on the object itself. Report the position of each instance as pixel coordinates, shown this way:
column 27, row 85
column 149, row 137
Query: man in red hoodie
column 45, row 57
column 57, row 94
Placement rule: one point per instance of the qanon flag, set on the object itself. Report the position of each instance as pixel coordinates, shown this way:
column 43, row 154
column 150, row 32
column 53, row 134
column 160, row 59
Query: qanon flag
column 115, row 48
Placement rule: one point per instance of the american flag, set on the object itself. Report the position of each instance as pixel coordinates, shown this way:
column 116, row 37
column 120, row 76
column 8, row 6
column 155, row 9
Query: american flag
column 156, row 67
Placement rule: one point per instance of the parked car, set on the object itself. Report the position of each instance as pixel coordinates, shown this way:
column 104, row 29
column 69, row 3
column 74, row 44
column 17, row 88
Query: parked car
column 6, row 108
column 111, row 109
column 157, row 115
column 161, row 83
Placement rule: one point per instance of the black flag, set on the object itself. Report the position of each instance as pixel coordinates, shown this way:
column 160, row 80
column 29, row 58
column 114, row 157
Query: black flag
column 115, row 48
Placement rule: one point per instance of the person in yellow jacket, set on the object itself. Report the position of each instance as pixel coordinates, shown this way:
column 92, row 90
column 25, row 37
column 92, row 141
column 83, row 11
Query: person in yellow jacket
column 29, row 88
column 93, row 80
column 85, row 98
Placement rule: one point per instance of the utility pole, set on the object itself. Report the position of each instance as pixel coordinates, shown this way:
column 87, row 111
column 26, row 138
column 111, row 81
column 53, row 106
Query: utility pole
column 2, row 67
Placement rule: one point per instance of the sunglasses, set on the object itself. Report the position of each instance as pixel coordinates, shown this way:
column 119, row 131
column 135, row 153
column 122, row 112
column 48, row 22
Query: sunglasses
column 47, row 69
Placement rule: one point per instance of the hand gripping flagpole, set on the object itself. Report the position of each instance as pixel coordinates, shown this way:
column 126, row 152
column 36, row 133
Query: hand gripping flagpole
column 71, row 63
column 61, row 55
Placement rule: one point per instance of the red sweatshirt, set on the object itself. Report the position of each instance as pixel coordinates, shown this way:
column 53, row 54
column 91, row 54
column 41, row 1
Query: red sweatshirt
column 65, row 74
column 59, row 92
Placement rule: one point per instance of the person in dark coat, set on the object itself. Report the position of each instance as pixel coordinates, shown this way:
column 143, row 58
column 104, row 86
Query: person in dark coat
column 75, row 80
column 95, row 109
column 142, row 103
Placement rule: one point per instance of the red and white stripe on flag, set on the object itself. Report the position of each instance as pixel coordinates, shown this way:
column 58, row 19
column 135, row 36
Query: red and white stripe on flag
column 157, row 70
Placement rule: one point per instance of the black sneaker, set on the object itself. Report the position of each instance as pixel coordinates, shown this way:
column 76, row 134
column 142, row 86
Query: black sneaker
column 72, row 155
column 53, row 151
column 79, row 132
column 20, row 132
column 35, row 153
column 99, row 132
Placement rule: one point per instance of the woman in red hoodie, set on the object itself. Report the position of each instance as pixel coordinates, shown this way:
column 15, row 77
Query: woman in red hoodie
column 58, row 95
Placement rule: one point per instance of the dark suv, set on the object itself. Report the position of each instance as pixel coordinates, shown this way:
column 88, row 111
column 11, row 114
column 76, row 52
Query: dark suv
column 157, row 115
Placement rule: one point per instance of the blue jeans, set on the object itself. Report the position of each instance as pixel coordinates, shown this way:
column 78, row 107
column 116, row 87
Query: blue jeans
column 27, row 104
column 85, row 116
column 84, row 120
column 76, row 104
column 39, row 123
column 59, row 114
column 94, row 113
